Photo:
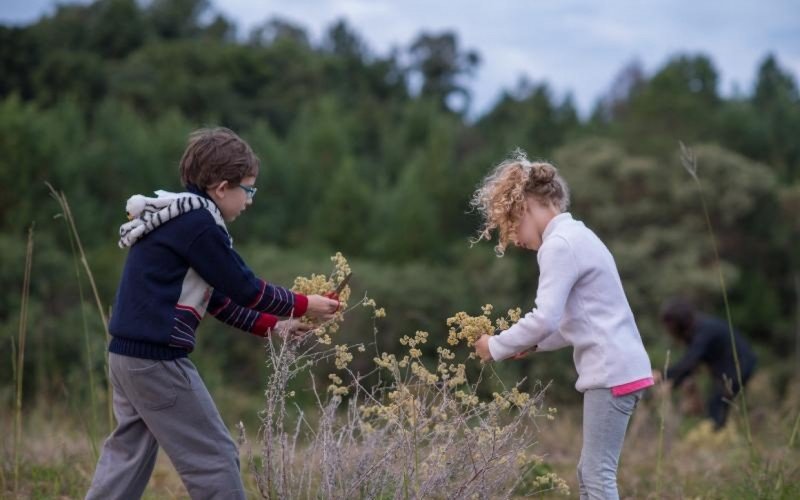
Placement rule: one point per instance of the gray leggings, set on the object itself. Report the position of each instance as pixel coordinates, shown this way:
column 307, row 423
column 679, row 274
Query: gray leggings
column 165, row 403
column 605, row 419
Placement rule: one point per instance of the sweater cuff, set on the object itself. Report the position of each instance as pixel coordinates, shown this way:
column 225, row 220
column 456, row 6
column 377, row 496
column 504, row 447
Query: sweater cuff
column 498, row 351
column 264, row 325
column 300, row 305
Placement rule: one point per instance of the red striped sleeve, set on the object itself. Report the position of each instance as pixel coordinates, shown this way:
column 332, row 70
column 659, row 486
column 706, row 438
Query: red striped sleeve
column 300, row 305
column 264, row 325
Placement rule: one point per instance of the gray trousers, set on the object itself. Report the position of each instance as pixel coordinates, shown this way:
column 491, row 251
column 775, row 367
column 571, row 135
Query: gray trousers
column 165, row 403
column 605, row 419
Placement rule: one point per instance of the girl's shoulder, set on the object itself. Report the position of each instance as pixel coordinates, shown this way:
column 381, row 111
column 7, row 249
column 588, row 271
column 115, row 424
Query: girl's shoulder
column 580, row 241
column 570, row 231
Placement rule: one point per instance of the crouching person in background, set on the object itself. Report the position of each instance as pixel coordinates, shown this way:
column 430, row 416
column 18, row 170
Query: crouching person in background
column 708, row 342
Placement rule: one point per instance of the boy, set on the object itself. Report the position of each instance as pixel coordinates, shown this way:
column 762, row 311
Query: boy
column 181, row 264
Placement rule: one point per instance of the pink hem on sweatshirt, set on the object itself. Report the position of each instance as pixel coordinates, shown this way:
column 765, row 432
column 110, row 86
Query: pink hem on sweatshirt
column 630, row 387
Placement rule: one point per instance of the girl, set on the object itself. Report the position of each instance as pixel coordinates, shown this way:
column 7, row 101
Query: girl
column 579, row 302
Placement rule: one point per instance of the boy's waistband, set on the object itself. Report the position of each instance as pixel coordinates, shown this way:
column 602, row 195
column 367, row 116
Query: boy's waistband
column 146, row 350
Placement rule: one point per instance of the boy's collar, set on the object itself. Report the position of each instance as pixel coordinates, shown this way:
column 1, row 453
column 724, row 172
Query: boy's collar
column 194, row 189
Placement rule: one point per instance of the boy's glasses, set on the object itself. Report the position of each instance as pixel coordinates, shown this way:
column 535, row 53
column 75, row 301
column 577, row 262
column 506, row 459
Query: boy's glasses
column 250, row 190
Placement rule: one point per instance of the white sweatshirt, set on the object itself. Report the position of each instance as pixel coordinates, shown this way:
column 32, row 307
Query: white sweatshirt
column 579, row 302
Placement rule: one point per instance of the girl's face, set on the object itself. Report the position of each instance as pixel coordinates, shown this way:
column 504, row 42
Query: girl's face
column 233, row 199
column 533, row 222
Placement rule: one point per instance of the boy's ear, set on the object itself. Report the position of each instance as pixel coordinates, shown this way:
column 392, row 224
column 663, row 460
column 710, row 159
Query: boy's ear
column 219, row 189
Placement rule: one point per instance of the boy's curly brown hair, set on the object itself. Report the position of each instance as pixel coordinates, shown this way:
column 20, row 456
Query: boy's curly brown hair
column 501, row 197
column 214, row 155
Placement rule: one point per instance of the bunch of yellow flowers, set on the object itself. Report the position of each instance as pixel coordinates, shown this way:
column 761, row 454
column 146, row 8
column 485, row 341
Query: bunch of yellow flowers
column 319, row 284
column 470, row 328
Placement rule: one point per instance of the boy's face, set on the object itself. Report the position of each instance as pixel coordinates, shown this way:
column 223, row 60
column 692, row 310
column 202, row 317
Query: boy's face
column 233, row 199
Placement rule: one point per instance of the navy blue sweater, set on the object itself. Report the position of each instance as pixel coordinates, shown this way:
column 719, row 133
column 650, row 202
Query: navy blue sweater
column 710, row 344
column 177, row 272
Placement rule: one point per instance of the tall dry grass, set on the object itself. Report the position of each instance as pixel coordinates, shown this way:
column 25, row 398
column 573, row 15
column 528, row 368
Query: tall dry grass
column 79, row 255
column 689, row 161
column 418, row 432
column 662, row 416
column 19, row 359
column 766, row 474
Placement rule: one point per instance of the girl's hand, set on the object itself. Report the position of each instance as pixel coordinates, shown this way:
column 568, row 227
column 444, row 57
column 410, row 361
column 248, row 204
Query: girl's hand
column 321, row 307
column 482, row 348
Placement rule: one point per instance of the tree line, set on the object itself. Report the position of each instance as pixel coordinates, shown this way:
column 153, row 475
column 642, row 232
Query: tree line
column 98, row 100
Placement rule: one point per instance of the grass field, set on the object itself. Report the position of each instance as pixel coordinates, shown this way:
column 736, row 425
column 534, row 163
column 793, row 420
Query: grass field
column 56, row 459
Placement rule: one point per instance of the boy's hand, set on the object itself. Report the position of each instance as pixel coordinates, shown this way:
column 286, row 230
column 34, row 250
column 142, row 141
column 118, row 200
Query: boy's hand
column 657, row 377
column 482, row 348
column 321, row 307
column 292, row 328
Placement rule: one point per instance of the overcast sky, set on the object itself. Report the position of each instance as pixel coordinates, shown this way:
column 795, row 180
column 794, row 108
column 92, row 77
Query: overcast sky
column 577, row 46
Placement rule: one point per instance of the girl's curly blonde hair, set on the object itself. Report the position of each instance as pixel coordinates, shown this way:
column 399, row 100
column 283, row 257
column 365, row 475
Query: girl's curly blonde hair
column 501, row 197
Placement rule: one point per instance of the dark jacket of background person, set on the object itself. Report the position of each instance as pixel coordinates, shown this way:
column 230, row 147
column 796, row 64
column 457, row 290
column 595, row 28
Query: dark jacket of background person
column 709, row 343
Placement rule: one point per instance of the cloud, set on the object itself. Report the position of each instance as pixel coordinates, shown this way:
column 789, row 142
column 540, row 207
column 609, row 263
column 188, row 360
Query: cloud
column 576, row 45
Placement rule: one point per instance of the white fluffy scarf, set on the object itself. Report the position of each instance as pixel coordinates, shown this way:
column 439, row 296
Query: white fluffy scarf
column 146, row 214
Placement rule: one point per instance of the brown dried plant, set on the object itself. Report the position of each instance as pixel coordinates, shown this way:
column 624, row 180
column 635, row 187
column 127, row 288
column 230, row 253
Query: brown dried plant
column 424, row 430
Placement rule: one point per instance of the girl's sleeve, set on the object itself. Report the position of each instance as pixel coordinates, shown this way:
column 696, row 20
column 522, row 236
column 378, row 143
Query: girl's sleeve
column 558, row 272
column 552, row 342
column 224, row 309
column 221, row 267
